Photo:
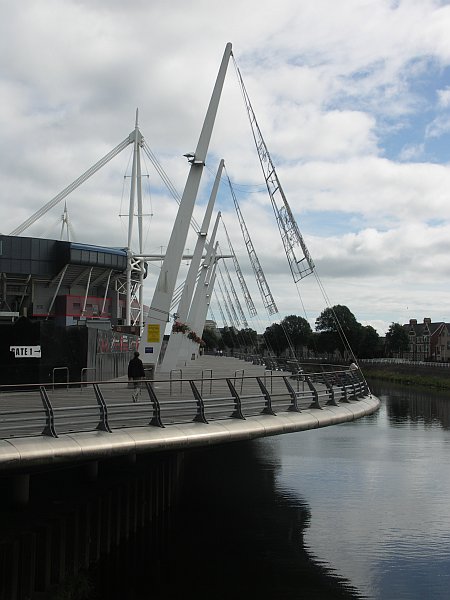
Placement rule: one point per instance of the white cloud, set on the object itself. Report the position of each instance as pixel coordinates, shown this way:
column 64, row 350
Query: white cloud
column 438, row 127
column 411, row 152
column 444, row 97
column 326, row 83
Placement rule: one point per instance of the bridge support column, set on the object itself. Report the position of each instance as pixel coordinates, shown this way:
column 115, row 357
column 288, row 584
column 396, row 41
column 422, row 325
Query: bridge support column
column 20, row 492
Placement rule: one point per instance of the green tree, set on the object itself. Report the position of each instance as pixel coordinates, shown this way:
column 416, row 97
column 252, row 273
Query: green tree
column 299, row 332
column 341, row 328
column 369, row 342
column 275, row 338
column 397, row 340
column 211, row 339
column 248, row 339
column 230, row 337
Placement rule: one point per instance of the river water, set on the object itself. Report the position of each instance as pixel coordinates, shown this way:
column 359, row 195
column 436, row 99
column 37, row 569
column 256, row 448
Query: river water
column 359, row 510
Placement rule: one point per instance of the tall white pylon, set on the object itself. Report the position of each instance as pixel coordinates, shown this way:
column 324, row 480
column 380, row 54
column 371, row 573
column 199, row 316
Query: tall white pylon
column 170, row 358
column 136, row 186
column 151, row 339
column 199, row 295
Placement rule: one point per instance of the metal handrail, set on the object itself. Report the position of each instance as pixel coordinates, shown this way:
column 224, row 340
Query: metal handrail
column 111, row 400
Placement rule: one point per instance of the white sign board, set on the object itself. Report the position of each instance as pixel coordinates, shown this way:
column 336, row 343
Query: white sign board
column 26, row 351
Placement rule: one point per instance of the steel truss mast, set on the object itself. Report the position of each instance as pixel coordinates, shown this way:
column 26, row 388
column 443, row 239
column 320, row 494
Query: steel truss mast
column 290, row 233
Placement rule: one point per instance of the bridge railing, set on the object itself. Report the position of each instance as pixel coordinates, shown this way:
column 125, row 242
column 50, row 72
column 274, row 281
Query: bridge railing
column 56, row 409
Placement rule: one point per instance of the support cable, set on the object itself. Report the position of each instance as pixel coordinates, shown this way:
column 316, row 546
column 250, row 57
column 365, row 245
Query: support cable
column 247, row 297
column 235, row 296
column 73, row 186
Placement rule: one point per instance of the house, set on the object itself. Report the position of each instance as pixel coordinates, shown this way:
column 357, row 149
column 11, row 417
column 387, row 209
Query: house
column 427, row 341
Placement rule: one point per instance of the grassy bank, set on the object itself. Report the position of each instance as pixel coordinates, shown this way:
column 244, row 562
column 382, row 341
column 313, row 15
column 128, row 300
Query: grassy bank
column 430, row 377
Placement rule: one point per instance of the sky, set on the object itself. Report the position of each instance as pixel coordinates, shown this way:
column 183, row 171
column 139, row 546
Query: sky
column 352, row 99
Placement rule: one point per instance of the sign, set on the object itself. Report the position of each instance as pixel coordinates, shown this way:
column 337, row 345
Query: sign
column 26, row 351
column 153, row 334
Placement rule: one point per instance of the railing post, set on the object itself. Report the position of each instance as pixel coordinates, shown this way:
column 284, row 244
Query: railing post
column 268, row 410
column 294, row 406
column 49, row 428
column 103, row 423
column 344, row 391
column 237, row 401
column 352, row 383
column 200, row 416
column 156, row 419
column 330, row 389
column 271, row 378
column 84, row 371
column 315, row 403
column 361, row 382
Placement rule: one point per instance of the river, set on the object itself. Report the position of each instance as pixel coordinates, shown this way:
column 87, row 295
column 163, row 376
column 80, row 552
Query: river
column 359, row 510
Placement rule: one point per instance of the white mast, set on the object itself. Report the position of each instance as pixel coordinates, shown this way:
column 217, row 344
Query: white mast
column 158, row 314
column 135, row 185
column 194, row 319
column 173, row 347
column 204, row 298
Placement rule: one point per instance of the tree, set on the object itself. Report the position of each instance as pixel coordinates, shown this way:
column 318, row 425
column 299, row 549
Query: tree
column 211, row 339
column 397, row 340
column 275, row 338
column 338, row 322
column 298, row 331
column 369, row 343
column 248, row 339
column 230, row 337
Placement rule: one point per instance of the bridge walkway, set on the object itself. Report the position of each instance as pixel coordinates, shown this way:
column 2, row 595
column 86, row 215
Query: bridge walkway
column 209, row 400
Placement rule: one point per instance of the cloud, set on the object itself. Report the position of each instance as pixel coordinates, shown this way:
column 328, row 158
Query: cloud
column 438, row 127
column 329, row 86
column 444, row 97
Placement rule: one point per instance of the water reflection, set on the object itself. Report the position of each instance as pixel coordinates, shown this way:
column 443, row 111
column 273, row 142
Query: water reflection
column 235, row 536
column 409, row 404
column 378, row 493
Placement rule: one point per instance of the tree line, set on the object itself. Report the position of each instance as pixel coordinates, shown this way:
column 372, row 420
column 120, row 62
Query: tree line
column 336, row 332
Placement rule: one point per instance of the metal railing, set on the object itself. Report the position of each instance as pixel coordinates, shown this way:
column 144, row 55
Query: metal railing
column 30, row 410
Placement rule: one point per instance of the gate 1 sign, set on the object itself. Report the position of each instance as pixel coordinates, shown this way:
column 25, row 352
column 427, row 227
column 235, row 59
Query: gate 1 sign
column 26, row 351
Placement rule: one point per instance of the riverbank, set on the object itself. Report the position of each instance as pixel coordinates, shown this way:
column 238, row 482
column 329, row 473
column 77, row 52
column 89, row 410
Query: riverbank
column 426, row 376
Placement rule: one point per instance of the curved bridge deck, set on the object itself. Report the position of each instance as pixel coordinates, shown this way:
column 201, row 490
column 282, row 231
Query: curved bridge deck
column 213, row 400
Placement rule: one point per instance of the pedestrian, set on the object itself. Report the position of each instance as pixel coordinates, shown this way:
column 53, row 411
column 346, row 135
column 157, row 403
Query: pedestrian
column 135, row 370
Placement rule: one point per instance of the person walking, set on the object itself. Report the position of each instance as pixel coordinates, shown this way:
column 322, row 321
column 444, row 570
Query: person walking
column 135, row 371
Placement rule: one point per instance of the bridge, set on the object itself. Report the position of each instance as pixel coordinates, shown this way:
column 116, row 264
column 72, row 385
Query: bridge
column 214, row 400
